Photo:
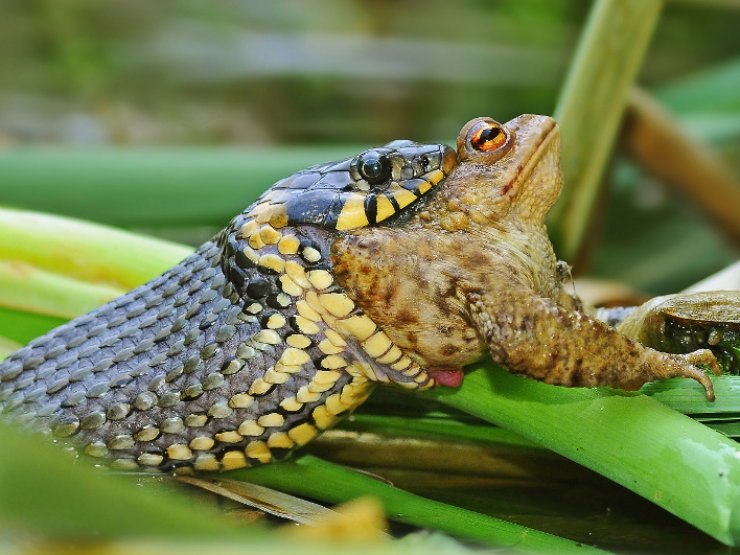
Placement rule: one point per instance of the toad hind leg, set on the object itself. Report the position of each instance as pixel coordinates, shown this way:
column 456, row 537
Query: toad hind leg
column 538, row 337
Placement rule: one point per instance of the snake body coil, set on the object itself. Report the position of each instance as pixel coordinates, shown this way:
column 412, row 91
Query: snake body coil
column 243, row 351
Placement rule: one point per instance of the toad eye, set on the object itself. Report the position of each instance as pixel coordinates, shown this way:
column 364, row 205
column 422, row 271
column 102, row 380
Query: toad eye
column 487, row 136
column 374, row 168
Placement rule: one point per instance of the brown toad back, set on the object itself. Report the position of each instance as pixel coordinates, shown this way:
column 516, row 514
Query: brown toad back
column 474, row 270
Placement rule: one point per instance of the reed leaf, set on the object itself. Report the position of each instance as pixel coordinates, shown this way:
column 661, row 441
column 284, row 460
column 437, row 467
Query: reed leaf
column 591, row 105
column 664, row 456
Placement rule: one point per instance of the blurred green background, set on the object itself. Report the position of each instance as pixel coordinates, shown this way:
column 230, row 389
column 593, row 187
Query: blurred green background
column 167, row 118
column 151, row 115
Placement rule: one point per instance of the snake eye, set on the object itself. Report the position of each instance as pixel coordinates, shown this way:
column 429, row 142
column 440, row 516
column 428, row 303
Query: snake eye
column 374, row 168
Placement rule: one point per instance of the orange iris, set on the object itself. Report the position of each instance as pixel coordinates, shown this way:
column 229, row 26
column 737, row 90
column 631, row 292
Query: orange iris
column 488, row 137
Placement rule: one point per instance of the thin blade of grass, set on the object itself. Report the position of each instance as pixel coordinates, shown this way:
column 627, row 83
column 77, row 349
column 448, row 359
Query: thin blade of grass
column 671, row 460
column 591, row 105
column 265, row 499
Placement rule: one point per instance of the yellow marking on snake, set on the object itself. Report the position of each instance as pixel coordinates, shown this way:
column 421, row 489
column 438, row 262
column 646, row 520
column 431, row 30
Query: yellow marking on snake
column 272, row 262
column 332, row 362
column 270, row 337
column 290, row 286
column 323, row 418
column 298, row 341
column 337, row 304
column 385, row 208
column 287, row 368
column 393, row 354
column 328, row 348
column 320, row 279
column 147, row 434
column 326, row 376
column 274, row 377
column 179, row 452
column 305, row 310
column 294, row 357
column 259, row 387
column 280, row 440
column 150, row 459
column 250, row 428
column 271, row 420
column 377, row 345
column 304, row 395
column 228, row 437
column 251, row 254
column 201, row 443
column 289, row 244
column 247, row 229
column 401, row 364
column 233, row 460
column 404, row 197
column 360, row 327
column 255, row 241
column 207, row 462
column 269, row 235
column 258, row 450
column 303, row 433
column 276, row 321
column 296, row 272
column 241, row 401
column 306, row 326
column 291, row 404
column 335, row 338
column 353, row 213
column 334, row 404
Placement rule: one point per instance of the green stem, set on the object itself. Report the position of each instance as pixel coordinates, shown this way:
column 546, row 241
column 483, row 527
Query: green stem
column 150, row 187
column 26, row 288
column 668, row 458
column 84, row 251
column 591, row 105
column 313, row 477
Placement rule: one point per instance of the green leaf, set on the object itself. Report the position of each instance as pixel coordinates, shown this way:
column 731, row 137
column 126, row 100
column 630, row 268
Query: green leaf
column 21, row 327
column 313, row 477
column 660, row 454
column 595, row 91
column 42, row 490
column 84, row 251
column 149, row 187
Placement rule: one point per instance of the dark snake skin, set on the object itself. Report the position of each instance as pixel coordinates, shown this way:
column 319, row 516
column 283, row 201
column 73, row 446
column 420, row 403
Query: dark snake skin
column 171, row 374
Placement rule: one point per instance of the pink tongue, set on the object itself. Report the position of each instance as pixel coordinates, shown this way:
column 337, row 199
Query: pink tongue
column 449, row 377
